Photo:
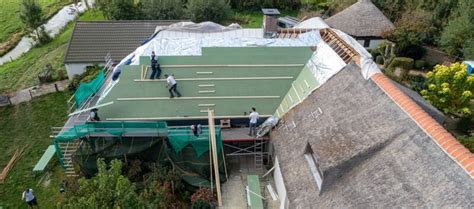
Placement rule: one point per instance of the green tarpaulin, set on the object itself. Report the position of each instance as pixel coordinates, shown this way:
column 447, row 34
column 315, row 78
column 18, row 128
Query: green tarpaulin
column 113, row 128
column 181, row 137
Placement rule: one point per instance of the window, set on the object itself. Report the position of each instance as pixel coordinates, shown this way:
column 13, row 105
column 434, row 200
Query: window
column 366, row 42
column 314, row 166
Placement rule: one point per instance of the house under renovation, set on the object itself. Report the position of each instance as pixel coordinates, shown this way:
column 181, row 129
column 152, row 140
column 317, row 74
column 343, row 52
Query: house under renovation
column 346, row 136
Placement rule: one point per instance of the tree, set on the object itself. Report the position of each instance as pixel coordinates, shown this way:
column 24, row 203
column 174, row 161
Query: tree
column 120, row 9
column 208, row 10
column 125, row 10
column 109, row 189
column 162, row 9
column 162, row 185
column 450, row 89
column 31, row 15
column 410, row 35
column 457, row 37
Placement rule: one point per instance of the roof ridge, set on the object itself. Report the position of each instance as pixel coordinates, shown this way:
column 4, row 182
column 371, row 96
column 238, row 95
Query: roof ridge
column 446, row 142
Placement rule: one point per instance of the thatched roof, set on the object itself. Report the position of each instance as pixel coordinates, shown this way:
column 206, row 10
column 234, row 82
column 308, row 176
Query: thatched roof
column 371, row 153
column 361, row 19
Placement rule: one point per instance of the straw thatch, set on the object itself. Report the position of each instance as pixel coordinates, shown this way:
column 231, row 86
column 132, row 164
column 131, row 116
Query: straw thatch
column 371, row 154
column 362, row 19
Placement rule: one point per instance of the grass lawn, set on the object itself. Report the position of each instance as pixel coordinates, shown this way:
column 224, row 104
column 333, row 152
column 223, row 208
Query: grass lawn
column 23, row 72
column 29, row 124
column 10, row 22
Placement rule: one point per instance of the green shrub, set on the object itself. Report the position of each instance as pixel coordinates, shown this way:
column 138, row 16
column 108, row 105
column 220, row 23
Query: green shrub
column 200, row 204
column 468, row 142
column 162, row 9
column 379, row 60
column 402, row 62
column 208, row 10
column 464, row 124
column 417, row 82
column 90, row 74
column 420, row 64
column 450, row 89
column 374, row 52
column 256, row 5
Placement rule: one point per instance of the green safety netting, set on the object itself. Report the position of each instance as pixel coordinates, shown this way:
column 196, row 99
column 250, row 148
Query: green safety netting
column 86, row 90
column 182, row 137
column 149, row 150
column 145, row 149
column 114, row 129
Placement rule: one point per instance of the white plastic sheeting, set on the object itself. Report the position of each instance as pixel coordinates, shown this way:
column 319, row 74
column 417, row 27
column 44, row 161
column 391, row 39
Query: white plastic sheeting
column 368, row 66
column 325, row 63
column 169, row 43
column 203, row 27
column 314, row 22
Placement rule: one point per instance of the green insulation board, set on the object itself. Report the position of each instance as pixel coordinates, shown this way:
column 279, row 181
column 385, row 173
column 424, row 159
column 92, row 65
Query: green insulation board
column 228, row 90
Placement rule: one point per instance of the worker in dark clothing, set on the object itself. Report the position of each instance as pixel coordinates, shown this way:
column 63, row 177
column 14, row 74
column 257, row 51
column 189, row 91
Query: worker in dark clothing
column 155, row 67
column 172, row 85
column 94, row 116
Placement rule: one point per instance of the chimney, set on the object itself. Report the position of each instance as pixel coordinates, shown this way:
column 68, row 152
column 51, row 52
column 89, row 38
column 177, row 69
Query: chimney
column 270, row 22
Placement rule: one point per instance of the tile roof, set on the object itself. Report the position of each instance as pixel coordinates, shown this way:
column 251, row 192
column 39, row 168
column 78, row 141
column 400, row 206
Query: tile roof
column 92, row 40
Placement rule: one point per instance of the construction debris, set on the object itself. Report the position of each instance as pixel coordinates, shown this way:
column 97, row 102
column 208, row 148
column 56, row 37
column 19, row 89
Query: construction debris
column 13, row 160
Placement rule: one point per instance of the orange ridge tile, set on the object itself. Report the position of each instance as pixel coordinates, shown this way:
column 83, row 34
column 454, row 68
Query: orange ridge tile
column 436, row 131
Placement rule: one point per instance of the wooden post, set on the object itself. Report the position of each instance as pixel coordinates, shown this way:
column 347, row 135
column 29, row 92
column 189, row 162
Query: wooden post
column 212, row 138
column 210, row 166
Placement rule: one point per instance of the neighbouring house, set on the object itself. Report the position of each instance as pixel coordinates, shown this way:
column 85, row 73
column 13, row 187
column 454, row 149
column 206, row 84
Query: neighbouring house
column 347, row 136
column 91, row 41
column 363, row 21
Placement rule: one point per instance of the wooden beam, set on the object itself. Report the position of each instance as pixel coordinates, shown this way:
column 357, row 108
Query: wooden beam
column 192, row 98
column 217, row 79
column 90, row 108
column 206, row 85
column 181, row 118
column 238, row 65
column 206, row 105
column 207, row 91
column 212, row 137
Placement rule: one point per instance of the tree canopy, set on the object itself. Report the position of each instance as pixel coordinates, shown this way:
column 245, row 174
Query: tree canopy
column 109, row 189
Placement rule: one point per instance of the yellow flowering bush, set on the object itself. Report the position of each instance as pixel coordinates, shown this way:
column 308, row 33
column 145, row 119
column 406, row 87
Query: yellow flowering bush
column 450, row 88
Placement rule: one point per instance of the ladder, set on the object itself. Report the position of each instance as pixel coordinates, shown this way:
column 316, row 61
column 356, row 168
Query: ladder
column 67, row 149
column 258, row 150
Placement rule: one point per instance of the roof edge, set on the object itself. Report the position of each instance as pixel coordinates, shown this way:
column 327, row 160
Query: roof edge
column 445, row 141
column 69, row 43
column 127, row 21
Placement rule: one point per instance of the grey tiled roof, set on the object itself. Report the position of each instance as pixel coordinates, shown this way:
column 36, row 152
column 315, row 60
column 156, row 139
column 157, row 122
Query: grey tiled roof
column 91, row 40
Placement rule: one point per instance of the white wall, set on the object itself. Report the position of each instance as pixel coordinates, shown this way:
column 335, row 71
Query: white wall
column 280, row 185
column 374, row 43
column 77, row 68
column 361, row 42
